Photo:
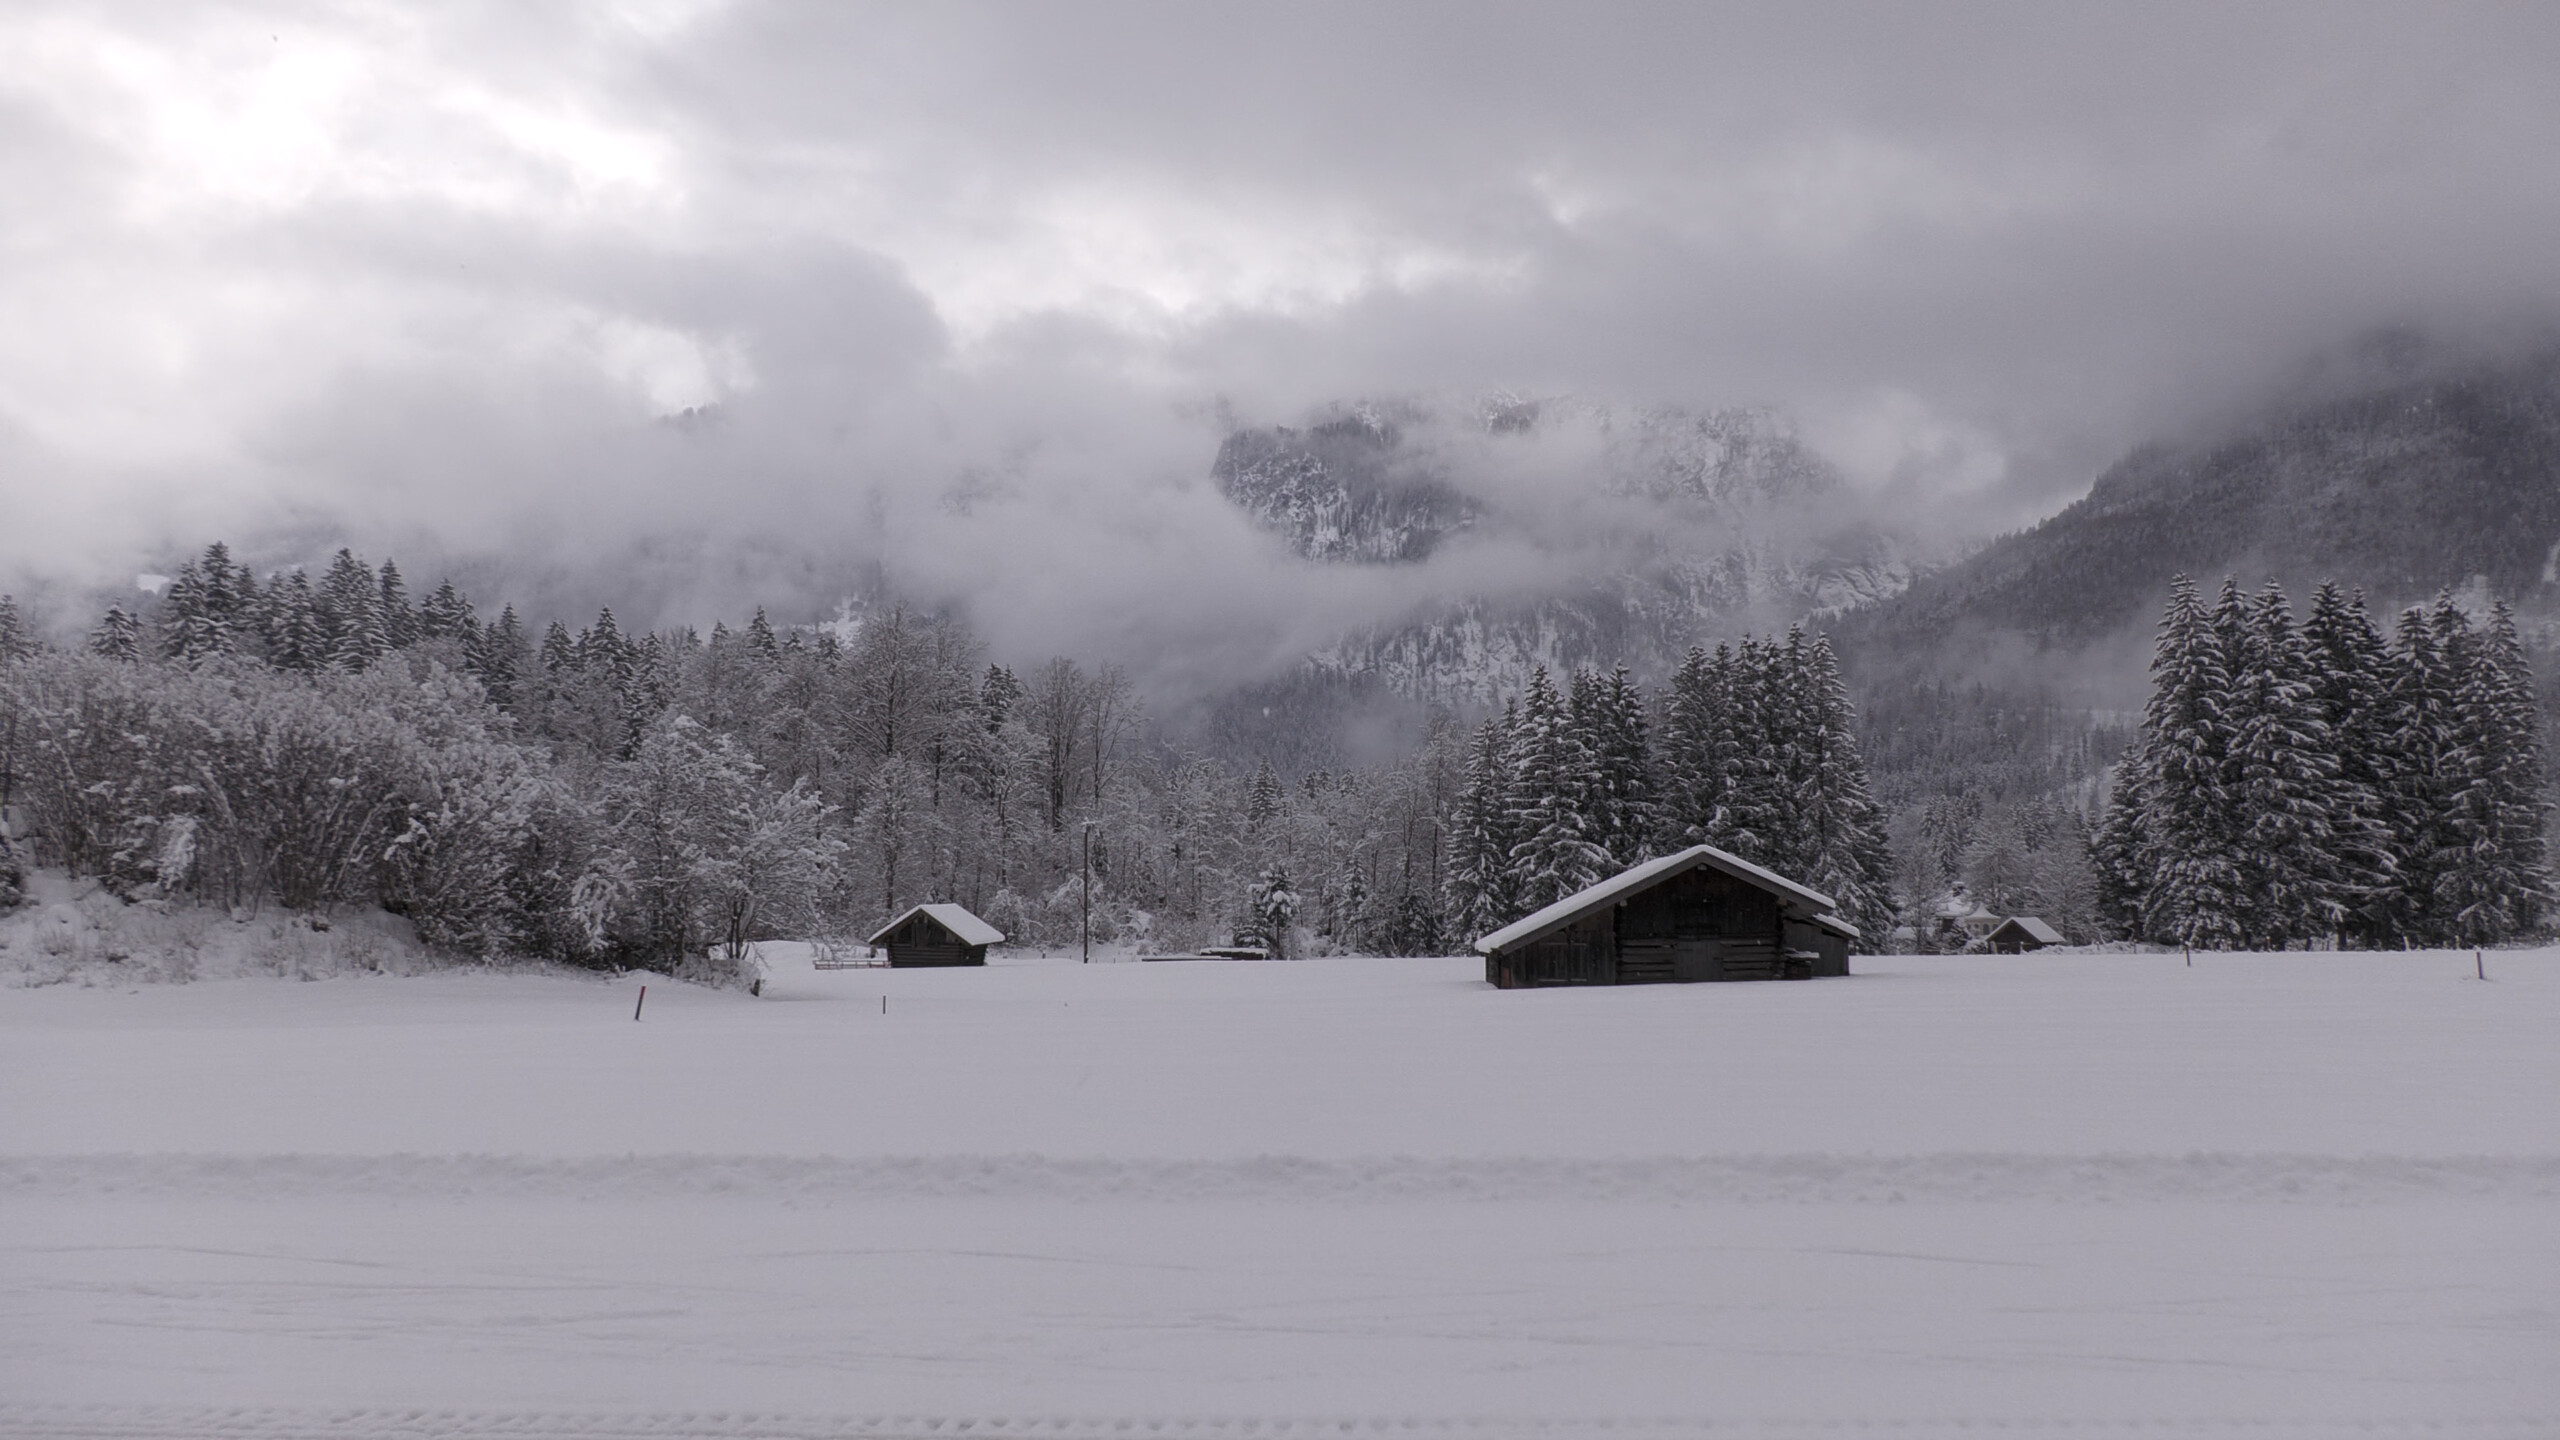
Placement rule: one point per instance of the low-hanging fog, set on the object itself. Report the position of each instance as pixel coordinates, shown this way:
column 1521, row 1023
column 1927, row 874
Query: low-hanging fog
column 687, row 307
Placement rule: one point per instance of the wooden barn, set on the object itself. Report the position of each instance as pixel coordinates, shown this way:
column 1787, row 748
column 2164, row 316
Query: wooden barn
column 1699, row 915
column 2021, row 933
column 937, row 935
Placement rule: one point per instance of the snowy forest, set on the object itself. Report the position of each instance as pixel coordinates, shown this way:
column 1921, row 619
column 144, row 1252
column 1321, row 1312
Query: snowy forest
column 612, row 799
column 2314, row 783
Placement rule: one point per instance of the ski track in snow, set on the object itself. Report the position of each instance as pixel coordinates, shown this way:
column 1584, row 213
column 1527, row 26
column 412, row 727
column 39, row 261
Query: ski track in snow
column 1762, row 1179
column 259, row 1423
column 2287, row 1196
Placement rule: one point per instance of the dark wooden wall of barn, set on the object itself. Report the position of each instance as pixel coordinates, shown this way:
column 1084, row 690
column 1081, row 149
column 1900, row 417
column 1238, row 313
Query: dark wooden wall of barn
column 1701, row 924
column 922, row 942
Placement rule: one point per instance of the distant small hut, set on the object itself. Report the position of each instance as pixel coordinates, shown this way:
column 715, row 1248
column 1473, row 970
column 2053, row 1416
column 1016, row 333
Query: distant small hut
column 1702, row 914
column 2021, row 933
column 937, row 935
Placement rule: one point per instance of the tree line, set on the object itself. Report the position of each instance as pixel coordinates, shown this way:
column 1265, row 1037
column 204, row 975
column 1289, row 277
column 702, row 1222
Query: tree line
column 2315, row 783
column 1750, row 748
column 605, row 797
column 613, row 798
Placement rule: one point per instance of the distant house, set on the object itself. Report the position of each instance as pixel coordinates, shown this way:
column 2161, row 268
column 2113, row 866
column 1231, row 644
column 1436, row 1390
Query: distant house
column 937, row 935
column 1960, row 922
column 2021, row 933
column 1702, row 914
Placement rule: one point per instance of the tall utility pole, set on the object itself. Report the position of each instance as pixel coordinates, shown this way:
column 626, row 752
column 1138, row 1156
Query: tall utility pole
column 1088, row 892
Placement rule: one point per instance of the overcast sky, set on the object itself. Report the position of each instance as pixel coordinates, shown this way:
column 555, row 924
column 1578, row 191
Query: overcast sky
column 973, row 287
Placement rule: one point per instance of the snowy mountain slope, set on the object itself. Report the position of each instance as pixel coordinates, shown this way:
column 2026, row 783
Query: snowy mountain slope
column 2400, row 488
column 1661, row 527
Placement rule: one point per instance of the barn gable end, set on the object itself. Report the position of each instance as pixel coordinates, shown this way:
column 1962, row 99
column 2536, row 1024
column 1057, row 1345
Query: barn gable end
column 1702, row 914
column 936, row 935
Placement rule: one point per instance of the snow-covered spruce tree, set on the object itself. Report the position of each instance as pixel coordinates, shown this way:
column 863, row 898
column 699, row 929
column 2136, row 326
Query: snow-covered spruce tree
column 1609, row 720
column 446, row 615
column 1754, row 799
column 195, row 624
column 118, row 636
column 290, row 626
column 2122, row 852
column 1554, row 854
column 1480, row 883
column 2518, row 771
column 1692, row 722
column 399, row 619
column 1272, row 908
column 499, row 656
column 14, row 639
column 349, row 604
column 2350, row 672
column 1845, row 854
column 2199, row 887
column 2490, row 882
column 2424, row 767
column 2284, row 778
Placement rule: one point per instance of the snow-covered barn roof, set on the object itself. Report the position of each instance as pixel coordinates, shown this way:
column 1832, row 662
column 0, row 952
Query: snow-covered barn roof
column 970, row 929
column 1837, row 926
column 2036, row 929
column 1626, row 882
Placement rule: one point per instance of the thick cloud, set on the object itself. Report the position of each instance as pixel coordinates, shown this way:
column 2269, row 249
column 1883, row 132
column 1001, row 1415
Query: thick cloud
column 691, row 306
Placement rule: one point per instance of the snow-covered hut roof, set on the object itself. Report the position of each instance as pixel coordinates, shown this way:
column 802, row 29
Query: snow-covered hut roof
column 1626, row 882
column 2035, row 929
column 970, row 929
column 1837, row 926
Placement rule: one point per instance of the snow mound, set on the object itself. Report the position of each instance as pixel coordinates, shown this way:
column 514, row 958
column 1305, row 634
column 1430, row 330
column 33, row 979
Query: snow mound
column 75, row 932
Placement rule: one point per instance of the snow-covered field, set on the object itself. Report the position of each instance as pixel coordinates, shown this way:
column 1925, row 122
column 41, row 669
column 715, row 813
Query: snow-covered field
column 2290, row 1195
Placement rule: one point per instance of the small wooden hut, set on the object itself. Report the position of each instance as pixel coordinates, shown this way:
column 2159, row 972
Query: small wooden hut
column 1702, row 914
column 2021, row 933
column 937, row 935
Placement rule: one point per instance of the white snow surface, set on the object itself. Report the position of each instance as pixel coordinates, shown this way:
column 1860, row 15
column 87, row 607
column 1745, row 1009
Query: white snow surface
column 2269, row 1194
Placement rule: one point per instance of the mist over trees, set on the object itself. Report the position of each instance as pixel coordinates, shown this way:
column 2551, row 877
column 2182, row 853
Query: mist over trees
column 608, row 798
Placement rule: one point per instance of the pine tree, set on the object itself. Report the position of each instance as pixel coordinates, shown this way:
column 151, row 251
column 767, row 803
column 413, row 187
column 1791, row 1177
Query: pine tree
column 1480, row 880
column 2519, row 801
column 1692, row 720
column 760, row 637
column 290, row 620
column 194, row 623
column 1754, row 801
column 999, row 694
column 1550, row 773
column 1609, row 716
column 497, row 656
column 118, row 636
column 2350, row 673
column 2122, row 852
column 2490, row 881
column 2424, row 769
column 1845, row 855
column 2284, row 777
column 447, row 615
column 349, row 604
column 1262, row 795
column 2198, row 891
column 399, row 621
column 14, row 639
